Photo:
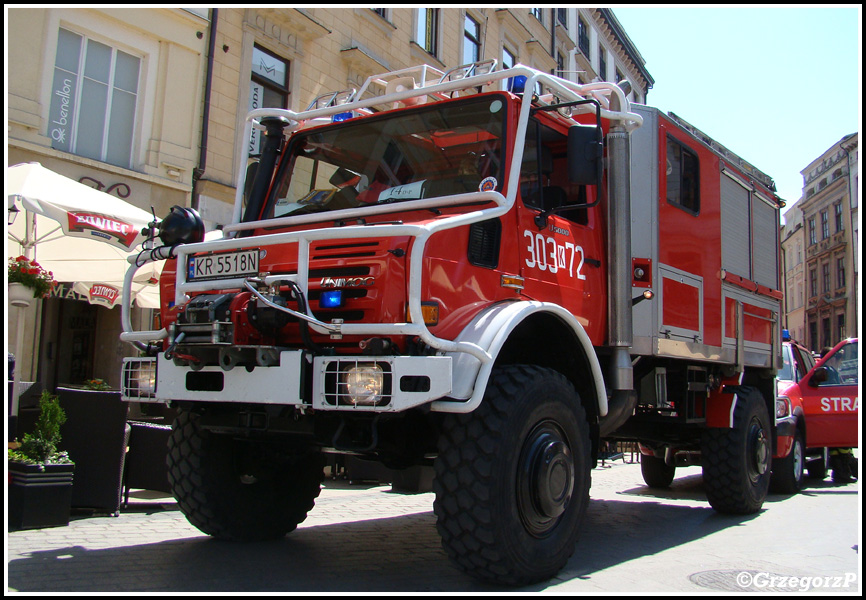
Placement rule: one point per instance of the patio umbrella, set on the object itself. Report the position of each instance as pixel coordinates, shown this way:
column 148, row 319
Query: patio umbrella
column 83, row 236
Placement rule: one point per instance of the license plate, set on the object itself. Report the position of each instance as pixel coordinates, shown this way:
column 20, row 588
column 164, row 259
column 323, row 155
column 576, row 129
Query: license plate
column 224, row 266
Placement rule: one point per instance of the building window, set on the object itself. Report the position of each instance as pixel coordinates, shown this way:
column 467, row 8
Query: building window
column 602, row 63
column 813, row 283
column 508, row 61
column 840, row 272
column 825, row 225
column 825, row 277
column 380, row 12
column 583, row 37
column 683, row 177
column 427, row 33
column 825, row 329
column 471, row 40
column 269, row 87
column 93, row 100
column 560, row 65
column 562, row 17
column 837, row 211
column 538, row 13
column 813, row 236
column 840, row 326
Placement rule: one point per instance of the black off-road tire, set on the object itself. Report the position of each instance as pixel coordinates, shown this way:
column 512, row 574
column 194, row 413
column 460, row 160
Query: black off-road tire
column 236, row 489
column 737, row 462
column 789, row 472
column 512, row 478
column 656, row 472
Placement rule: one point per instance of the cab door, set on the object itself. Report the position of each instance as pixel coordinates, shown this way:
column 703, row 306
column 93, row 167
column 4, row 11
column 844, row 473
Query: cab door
column 831, row 401
column 561, row 255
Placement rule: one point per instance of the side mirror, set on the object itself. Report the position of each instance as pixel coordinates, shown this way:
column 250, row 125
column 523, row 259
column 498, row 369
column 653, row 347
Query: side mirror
column 584, row 154
column 818, row 377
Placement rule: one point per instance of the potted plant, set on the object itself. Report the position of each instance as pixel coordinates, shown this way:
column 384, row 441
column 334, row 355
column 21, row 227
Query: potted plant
column 40, row 476
column 27, row 279
column 98, row 385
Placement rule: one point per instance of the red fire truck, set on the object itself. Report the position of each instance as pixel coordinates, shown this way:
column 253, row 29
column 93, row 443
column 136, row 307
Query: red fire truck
column 450, row 268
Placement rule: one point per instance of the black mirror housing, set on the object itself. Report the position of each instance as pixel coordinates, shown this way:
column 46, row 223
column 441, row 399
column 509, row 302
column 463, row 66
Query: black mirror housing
column 818, row 377
column 584, row 154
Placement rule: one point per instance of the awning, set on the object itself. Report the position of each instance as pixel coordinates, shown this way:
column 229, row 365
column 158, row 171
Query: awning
column 83, row 236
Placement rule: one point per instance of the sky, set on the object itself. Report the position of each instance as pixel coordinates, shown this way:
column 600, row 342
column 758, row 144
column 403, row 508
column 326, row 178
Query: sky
column 777, row 86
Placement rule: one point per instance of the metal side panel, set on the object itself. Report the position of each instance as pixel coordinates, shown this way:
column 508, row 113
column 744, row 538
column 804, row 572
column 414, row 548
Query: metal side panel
column 644, row 222
column 750, row 326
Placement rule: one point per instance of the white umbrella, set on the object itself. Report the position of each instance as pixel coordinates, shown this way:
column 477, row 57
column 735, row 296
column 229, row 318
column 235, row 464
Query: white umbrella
column 83, row 236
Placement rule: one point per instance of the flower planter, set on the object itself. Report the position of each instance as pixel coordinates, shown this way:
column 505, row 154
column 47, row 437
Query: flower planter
column 20, row 295
column 39, row 498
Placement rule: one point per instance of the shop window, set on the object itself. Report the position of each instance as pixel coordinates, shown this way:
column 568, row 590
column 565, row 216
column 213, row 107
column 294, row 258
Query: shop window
column 683, row 177
column 94, row 96
column 269, row 87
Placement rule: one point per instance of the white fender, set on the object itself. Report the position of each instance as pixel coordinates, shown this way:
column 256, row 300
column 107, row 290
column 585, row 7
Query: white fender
column 489, row 331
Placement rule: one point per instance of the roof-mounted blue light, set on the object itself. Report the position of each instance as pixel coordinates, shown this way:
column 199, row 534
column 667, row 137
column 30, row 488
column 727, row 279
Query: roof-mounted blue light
column 340, row 117
column 517, row 84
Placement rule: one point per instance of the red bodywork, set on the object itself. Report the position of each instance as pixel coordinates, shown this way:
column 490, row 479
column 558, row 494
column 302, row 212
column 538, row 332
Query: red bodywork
column 831, row 408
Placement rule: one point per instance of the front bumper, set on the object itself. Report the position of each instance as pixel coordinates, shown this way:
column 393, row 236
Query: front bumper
column 786, row 427
column 411, row 381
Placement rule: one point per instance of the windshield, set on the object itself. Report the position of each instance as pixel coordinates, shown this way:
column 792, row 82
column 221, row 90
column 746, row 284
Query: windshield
column 437, row 150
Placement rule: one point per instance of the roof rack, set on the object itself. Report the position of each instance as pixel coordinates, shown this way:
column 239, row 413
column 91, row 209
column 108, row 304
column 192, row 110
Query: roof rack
column 423, row 83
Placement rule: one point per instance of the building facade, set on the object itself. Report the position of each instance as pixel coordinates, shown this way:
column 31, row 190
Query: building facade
column 794, row 273
column 829, row 208
column 111, row 98
column 149, row 104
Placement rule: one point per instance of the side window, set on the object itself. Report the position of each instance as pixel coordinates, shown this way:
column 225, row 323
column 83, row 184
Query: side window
column 544, row 183
column 842, row 366
column 683, row 177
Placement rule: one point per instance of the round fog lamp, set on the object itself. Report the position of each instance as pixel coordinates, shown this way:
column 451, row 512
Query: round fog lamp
column 363, row 384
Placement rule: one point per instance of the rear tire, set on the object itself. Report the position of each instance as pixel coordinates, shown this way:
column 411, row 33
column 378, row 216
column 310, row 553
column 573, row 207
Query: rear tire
column 736, row 462
column 656, row 472
column 788, row 472
column 512, row 478
column 236, row 489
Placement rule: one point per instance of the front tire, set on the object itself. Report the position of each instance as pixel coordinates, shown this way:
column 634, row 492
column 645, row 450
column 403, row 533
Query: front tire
column 512, row 478
column 788, row 472
column 736, row 462
column 240, row 490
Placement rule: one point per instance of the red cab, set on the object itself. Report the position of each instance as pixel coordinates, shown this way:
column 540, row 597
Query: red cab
column 819, row 409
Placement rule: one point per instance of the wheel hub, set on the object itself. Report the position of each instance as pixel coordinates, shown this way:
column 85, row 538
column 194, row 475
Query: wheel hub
column 760, row 450
column 545, row 478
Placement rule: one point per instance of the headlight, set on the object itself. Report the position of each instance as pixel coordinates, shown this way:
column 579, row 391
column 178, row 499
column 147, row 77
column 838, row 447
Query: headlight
column 363, row 384
column 783, row 407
